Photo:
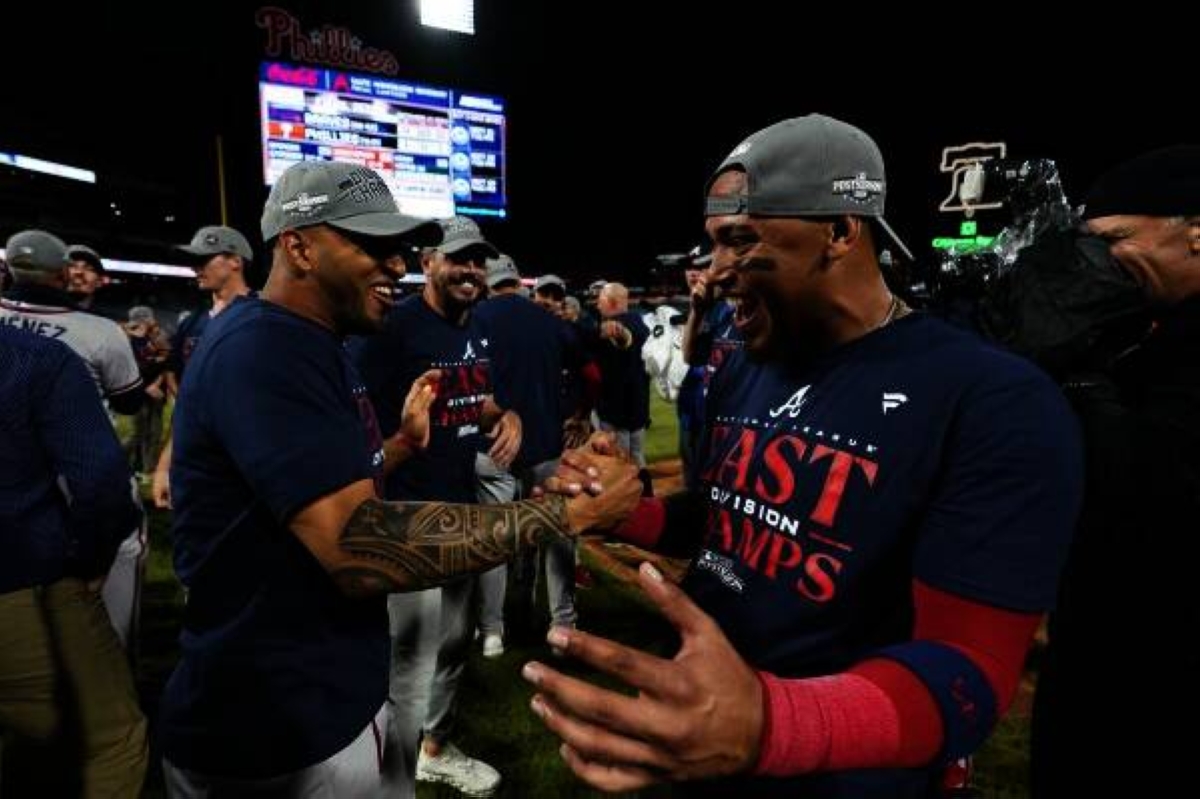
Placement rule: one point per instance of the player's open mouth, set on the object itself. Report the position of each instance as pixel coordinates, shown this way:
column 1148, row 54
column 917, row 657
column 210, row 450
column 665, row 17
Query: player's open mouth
column 384, row 293
column 745, row 312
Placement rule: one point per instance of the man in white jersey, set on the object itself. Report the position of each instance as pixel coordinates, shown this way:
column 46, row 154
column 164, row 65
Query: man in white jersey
column 38, row 302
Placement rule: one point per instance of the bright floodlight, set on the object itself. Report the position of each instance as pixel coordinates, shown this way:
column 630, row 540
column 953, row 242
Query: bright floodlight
column 451, row 15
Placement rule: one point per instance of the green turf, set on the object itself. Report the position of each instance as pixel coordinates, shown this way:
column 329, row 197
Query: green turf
column 662, row 438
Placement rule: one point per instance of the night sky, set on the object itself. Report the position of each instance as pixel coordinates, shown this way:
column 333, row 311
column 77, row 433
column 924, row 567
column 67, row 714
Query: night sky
column 614, row 120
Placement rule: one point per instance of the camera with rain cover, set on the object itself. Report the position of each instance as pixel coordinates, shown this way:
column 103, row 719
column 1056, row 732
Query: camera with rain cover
column 1044, row 287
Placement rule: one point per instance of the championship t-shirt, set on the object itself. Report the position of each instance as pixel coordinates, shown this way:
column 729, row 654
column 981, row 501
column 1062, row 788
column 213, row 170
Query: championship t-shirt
column 414, row 340
column 278, row 669
column 916, row 451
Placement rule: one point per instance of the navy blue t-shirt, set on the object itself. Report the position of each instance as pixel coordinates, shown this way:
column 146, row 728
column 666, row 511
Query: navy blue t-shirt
column 624, row 385
column 188, row 335
column 915, row 452
column 279, row 669
column 529, row 347
column 414, row 340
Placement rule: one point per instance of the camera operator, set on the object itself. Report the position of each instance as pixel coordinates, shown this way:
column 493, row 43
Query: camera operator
column 1124, row 647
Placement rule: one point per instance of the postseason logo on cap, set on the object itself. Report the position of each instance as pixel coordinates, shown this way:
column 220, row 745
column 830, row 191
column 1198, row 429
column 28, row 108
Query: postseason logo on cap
column 859, row 188
column 304, row 204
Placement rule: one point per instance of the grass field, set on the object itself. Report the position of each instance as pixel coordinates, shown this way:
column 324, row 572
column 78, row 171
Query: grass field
column 497, row 724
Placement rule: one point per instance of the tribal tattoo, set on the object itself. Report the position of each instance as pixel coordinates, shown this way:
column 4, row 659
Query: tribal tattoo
column 403, row 546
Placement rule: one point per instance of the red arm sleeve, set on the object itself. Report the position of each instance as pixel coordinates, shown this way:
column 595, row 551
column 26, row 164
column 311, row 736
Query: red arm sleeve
column 880, row 714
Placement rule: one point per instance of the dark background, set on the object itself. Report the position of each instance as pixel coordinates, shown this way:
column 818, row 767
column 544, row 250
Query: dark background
column 614, row 118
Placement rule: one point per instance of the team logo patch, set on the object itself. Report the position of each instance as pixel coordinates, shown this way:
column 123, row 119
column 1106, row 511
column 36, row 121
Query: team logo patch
column 793, row 406
column 859, row 188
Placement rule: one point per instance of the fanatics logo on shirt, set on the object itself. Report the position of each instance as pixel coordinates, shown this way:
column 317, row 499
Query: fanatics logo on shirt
column 893, row 400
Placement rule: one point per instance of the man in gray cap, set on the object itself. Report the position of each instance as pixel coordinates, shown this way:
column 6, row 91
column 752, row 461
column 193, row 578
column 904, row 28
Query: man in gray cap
column 886, row 505
column 549, row 291
column 151, row 349
column 281, row 537
column 85, row 275
column 220, row 257
column 531, row 353
column 438, row 330
column 708, row 336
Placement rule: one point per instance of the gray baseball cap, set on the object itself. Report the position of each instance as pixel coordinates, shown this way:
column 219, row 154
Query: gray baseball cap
column 344, row 196
column 807, row 166
column 141, row 313
column 217, row 240
column 460, row 233
column 82, row 252
column 36, row 250
column 550, row 280
column 501, row 269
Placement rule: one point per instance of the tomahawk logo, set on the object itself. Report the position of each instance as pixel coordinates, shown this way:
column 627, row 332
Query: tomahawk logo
column 793, row 405
column 893, row 400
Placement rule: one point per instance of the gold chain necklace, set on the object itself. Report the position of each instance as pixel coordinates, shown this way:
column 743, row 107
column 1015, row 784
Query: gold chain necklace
column 896, row 310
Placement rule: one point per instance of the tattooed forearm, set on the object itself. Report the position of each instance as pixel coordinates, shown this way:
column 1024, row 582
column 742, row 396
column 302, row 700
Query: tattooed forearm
column 403, row 546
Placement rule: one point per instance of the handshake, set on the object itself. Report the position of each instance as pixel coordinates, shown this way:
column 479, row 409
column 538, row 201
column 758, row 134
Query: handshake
column 600, row 483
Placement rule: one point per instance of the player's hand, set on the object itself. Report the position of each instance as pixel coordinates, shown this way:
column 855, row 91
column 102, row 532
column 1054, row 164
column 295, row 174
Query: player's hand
column 577, row 471
column 414, row 418
column 611, row 496
column 507, row 433
column 695, row 716
column 160, row 489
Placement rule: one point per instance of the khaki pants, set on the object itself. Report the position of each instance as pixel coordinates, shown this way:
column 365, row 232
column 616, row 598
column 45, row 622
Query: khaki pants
column 65, row 684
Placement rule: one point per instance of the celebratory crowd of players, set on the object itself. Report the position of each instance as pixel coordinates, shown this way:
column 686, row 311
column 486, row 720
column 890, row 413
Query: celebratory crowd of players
column 877, row 510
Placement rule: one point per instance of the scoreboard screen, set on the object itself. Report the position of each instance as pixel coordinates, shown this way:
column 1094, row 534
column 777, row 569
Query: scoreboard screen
column 441, row 151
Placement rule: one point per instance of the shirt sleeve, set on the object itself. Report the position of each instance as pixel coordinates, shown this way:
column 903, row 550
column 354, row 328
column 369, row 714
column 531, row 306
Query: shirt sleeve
column 1002, row 518
column 119, row 372
column 285, row 411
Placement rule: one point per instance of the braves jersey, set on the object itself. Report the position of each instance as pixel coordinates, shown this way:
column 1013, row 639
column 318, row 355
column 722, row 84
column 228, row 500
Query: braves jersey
column 101, row 342
column 414, row 340
column 913, row 452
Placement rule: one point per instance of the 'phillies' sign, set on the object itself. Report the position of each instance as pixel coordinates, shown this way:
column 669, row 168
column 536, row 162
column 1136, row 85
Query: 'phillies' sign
column 336, row 47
